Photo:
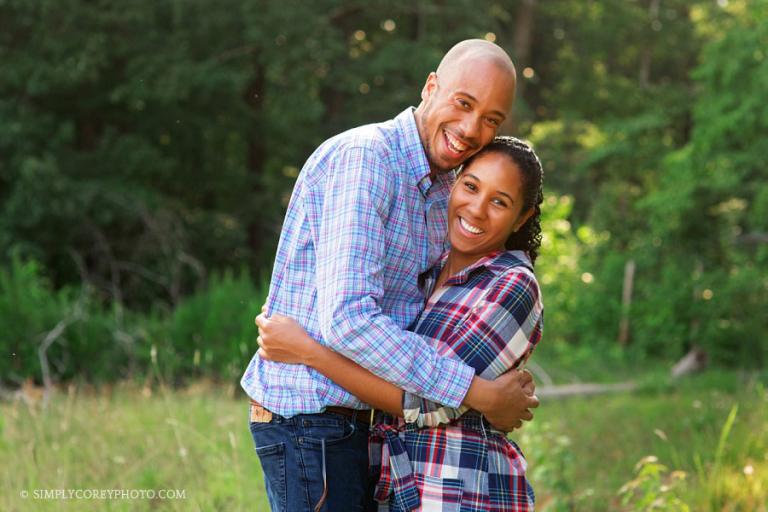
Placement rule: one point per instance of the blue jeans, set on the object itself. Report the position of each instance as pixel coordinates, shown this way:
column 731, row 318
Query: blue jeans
column 294, row 451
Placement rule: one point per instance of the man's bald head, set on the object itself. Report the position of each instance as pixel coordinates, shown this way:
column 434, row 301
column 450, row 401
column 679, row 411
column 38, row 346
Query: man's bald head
column 464, row 102
column 475, row 51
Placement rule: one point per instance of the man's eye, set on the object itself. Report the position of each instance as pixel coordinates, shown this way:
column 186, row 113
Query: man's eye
column 494, row 122
column 464, row 104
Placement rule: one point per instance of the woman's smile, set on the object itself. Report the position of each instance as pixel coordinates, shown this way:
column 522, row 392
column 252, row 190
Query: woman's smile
column 469, row 229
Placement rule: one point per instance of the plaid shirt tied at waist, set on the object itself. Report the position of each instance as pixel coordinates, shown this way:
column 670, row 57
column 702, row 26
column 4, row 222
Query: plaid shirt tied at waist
column 490, row 316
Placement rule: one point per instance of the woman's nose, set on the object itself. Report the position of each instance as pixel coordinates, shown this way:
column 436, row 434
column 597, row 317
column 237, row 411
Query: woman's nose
column 476, row 208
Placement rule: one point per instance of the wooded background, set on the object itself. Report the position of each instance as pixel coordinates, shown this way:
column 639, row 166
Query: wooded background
column 148, row 148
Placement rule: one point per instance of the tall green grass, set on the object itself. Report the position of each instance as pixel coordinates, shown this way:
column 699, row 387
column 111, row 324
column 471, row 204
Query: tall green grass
column 709, row 437
column 196, row 441
column 711, row 430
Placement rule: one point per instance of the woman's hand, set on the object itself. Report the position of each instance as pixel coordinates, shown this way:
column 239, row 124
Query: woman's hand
column 282, row 339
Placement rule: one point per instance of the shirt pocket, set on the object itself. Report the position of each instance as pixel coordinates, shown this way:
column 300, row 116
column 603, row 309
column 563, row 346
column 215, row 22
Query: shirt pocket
column 440, row 494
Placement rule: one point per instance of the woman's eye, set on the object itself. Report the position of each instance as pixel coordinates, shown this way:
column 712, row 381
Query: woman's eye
column 500, row 202
column 470, row 186
column 464, row 104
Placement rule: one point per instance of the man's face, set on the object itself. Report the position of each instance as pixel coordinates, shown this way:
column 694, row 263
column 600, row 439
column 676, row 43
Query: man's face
column 461, row 112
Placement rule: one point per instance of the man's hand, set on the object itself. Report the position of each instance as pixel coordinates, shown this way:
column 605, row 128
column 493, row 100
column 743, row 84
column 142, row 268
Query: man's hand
column 282, row 339
column 506, row 402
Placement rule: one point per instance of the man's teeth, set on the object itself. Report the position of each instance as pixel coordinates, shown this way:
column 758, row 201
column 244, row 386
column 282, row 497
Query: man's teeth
column 469, row 227
column 455, row 143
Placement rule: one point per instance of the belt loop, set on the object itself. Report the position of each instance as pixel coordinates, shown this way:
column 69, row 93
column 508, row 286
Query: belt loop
column 373, row 412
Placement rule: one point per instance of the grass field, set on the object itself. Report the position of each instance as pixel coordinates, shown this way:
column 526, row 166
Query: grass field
column 581, row 450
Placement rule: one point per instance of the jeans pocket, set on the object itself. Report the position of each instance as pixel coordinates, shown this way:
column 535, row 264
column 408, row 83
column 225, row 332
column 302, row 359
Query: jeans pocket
column 272, row 459
column 335, row 459
column 442, row 494
column 331, row 433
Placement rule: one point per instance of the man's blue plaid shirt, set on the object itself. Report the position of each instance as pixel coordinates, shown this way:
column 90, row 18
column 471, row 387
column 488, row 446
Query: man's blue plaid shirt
column 364, row 221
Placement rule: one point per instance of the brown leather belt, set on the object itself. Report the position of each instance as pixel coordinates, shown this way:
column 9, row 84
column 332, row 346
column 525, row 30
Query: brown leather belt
column 359, row 415
column 259, row 414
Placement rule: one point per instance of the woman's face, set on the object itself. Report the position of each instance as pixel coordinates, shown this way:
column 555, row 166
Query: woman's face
column 485, row 205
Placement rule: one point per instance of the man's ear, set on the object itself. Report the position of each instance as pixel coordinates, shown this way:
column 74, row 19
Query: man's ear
column 429, row 86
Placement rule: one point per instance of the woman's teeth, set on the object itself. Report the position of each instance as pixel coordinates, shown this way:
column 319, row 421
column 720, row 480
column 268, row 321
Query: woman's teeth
column 469, row 227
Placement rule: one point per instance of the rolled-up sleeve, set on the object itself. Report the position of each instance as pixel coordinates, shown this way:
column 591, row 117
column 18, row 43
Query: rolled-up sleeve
column 350, row 243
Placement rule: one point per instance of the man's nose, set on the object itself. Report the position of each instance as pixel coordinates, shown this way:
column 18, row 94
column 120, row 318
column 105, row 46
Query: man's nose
column 470, row 125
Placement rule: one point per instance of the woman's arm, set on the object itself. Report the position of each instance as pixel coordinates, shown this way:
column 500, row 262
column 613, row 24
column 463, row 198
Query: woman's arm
column 283, row 339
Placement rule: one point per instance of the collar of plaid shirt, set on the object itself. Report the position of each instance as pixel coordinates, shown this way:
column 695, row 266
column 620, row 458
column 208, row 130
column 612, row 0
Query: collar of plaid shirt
column 495, row 262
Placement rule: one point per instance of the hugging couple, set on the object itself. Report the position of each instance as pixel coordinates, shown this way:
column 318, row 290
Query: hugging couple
column 402, row 304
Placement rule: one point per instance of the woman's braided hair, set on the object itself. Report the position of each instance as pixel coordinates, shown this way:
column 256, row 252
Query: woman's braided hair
column 528, row 237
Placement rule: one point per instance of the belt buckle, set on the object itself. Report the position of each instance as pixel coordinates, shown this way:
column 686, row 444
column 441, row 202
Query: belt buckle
column 259, row 414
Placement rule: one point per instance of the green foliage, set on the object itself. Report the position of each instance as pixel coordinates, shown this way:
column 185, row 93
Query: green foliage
column 209, row 334
column 85, row 339
column 653, row 488
column 212, row 332
column 28, row 308
column 153, row 143
column 672, row 182
column 581, row 451
column 705, row 214
column 554, row 464
column 149, row 146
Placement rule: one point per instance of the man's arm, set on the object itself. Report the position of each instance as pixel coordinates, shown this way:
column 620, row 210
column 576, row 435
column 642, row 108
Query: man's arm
column 499, row 333
column 350, row 244
column 283, row 339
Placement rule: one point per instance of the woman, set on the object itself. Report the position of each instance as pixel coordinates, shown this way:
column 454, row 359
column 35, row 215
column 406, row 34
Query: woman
column 484, row 307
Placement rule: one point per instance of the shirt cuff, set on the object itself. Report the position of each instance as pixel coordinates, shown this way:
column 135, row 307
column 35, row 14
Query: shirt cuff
column 456, row 378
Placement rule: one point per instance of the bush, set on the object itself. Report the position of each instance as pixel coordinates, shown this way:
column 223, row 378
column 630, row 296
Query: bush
column 212, row 332
column 28, row 309
column 81, row 333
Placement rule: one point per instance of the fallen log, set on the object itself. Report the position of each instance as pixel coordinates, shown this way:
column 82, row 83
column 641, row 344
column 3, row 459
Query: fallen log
column 583, row 389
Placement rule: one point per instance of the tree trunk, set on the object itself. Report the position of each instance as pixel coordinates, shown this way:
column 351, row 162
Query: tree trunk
column 646, row 55
column 626, row 302
column 521, row 54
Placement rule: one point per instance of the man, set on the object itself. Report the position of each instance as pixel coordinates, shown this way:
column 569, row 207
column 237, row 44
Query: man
column 367, row 216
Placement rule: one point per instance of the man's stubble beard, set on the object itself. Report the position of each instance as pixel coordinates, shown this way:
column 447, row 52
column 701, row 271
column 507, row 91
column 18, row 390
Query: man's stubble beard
column 426, row 142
